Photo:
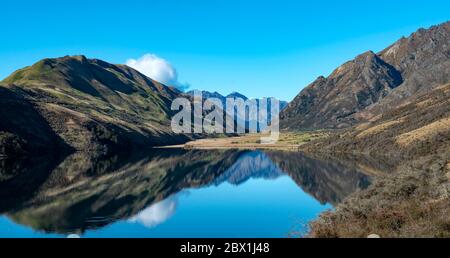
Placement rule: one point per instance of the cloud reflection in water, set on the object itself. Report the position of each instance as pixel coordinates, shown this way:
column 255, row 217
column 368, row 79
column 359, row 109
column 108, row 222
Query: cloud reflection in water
column 157, row 213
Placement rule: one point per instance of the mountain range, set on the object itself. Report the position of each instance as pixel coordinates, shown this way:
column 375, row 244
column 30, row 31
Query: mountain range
column 373, row 83
column 233, row 95
column 237, row 95
column 395, row 106
column 76, row 103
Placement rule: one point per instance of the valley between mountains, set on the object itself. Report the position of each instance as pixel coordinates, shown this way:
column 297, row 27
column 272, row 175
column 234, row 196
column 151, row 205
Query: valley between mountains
column 392, row 105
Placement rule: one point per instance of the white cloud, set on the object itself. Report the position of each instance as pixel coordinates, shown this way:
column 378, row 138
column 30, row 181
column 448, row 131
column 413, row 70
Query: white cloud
column 158, row 69
column 157, row 213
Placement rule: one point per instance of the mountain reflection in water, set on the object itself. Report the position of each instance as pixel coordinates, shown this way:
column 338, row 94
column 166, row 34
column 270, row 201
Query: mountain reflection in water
column 86, row 192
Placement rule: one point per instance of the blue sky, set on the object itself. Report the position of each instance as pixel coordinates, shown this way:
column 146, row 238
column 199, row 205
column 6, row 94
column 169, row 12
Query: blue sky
column 259, row 48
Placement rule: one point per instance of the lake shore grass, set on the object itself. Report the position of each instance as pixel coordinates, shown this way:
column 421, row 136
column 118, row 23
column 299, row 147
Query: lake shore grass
column 411, row 202
column 291, row 141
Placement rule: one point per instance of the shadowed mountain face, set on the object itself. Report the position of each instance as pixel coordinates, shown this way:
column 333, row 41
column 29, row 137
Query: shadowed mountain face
column 23, row 128
column 88, row 192
column 373, row 83
column 89, row 104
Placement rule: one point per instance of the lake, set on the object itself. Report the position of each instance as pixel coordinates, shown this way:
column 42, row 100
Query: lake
column 172, row 193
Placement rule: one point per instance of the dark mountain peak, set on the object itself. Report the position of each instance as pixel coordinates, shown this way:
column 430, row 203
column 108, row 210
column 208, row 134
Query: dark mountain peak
column 373, row 83
column 366, row 55
column 368, row 59
column 425, row 44
column 333, row 102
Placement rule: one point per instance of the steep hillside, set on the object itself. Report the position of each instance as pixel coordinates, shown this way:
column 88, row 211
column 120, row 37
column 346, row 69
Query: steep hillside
column 91, row 104
column 412, row 200
column 418, row 129
column 423, row 59
column 333, row 102
column 364, row 88
column 23, row 128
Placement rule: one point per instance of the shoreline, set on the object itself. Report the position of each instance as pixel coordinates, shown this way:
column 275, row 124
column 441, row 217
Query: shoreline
column 390, row 207
column 289, row 141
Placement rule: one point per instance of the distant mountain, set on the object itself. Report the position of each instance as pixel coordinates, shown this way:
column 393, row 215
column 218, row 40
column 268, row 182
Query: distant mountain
column 237, row 95
column 234, row 95
column 83, row 104
column 371, row 84
column 206, row 94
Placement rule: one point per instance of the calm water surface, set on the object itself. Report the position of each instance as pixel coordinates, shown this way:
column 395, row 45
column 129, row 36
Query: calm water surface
column 171, row 193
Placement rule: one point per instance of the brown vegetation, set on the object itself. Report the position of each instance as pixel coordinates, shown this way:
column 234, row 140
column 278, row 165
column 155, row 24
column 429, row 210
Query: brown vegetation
column 413, row 200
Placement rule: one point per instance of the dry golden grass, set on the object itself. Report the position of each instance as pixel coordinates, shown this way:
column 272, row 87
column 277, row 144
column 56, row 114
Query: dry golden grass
column 405, row 219
column 445, row 88
column 426, row 132
column 412, row 202
column 362, row 127
column 424, row 103
column 378, row 128
column 287, row 141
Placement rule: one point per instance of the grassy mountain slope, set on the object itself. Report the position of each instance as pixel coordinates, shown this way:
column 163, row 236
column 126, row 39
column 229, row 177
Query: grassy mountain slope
column 94, row 105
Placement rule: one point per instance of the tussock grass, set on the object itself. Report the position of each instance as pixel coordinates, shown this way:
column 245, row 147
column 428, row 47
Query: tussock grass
column 414, row 199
